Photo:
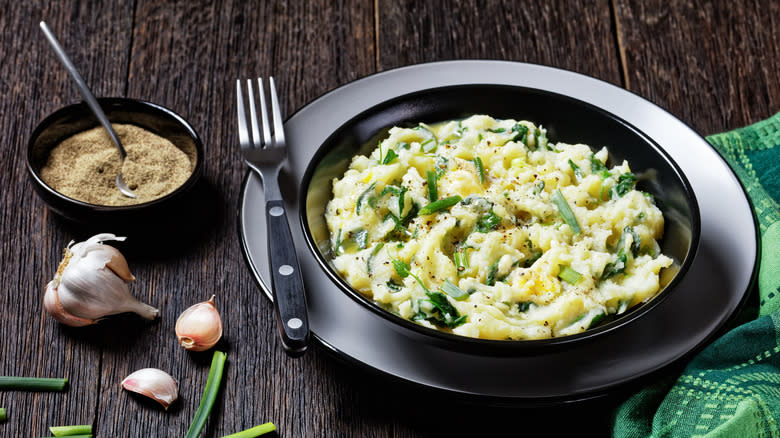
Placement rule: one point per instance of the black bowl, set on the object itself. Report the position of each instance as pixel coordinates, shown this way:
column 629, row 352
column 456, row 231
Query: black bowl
column 566, row 120
column 160, row 215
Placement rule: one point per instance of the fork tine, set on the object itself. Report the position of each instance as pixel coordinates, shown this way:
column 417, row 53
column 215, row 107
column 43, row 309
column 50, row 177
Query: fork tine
column 253, row 114
column 264, row 114
column 243, row 135
column 279, row 140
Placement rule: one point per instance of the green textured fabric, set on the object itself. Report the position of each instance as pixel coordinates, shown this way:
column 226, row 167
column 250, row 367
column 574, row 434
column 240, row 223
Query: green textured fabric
column 731, row 388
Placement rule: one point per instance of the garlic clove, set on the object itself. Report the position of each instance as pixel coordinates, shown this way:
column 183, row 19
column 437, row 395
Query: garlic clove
column 199, row 327
column 91, row 283
column 153, row 383
column 118, row 264
column 51, row 303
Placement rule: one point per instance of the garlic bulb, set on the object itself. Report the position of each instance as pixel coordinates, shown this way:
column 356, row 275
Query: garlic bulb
column 199, row 327
column 90, row 283
column 153, row 383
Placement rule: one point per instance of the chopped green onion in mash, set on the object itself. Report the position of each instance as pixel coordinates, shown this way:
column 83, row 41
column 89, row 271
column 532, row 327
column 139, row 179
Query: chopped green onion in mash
column 487, row 228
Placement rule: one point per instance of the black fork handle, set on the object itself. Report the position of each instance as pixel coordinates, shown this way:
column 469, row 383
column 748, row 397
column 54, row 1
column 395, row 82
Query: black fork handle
column 287, row 283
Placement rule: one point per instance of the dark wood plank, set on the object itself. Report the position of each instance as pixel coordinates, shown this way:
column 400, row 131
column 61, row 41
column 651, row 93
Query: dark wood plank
column 33, row 84
column 714, row 65
column 576, row 36
column 187, row 56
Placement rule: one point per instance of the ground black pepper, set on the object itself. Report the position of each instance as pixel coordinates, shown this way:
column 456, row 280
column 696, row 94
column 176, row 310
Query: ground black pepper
column 84, row 166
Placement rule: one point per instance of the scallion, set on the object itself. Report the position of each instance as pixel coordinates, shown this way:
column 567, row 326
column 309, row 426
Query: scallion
column 622, row 306
column 337, row 244
column 253, row 432
column 441, row 165
column 81, row 429
column 361, row 238
column 32, row 383
column 490, row 280
column 624, row 185
column 636, row 240
column 88, row 435
column 2, row 415
column 565, row 211
column 541, row 139
column 539, row 187
column 597, row 167
column 569, row 275
column 576, row 169
column 209, row 394
column 523, row 306
column 400, row 192
column 461, row 259
column 455, row 292
column 363, row 195
column 441, row 204
column 391, row 155
column 521, row 132
column 618, row 267
column 533, row 254
column 597, row 319
column 374, row 252
column 480, row 169
column 601, row 193
column 430, row 143
column 433, row 190
column 488, row 222
column 461, row 129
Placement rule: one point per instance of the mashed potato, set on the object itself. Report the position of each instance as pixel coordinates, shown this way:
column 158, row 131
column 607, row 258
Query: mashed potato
column 482, row 228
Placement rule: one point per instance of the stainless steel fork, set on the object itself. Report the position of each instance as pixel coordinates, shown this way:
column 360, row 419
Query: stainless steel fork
column 265, row 157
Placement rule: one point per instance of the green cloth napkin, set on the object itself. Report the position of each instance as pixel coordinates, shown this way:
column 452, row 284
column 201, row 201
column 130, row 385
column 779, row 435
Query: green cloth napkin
column 731, row 388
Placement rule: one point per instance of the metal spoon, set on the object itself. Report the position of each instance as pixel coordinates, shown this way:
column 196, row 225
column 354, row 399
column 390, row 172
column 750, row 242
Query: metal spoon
column 91, row 102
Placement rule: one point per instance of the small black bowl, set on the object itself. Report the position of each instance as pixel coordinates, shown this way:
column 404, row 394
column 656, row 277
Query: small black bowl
column 159, row 216
column 566, row 120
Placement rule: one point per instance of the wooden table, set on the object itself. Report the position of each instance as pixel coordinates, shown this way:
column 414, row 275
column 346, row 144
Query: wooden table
column 714, row 66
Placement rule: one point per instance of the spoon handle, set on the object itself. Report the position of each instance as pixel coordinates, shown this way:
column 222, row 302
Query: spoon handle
column 88, row 96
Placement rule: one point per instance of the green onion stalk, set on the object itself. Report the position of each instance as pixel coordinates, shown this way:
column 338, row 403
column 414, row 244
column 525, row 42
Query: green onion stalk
column 32, row 383
column 209, row 394
column 75, row 436
column 89, row 435
column 253, row 432
column 72, row 431
column 569, row 275
column 565, row 211
column 441, row 204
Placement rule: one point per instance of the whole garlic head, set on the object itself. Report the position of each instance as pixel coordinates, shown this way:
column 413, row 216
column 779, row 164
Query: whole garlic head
column 91, row 283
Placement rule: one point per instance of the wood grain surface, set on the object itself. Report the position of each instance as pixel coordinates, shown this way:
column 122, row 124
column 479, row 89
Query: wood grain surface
column 713, row 65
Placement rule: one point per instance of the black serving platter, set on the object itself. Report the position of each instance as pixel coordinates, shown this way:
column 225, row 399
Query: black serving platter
column 687, row 318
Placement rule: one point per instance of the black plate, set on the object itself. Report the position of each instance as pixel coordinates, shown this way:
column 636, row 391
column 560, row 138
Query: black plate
column 703, row 302
column 567, row 120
